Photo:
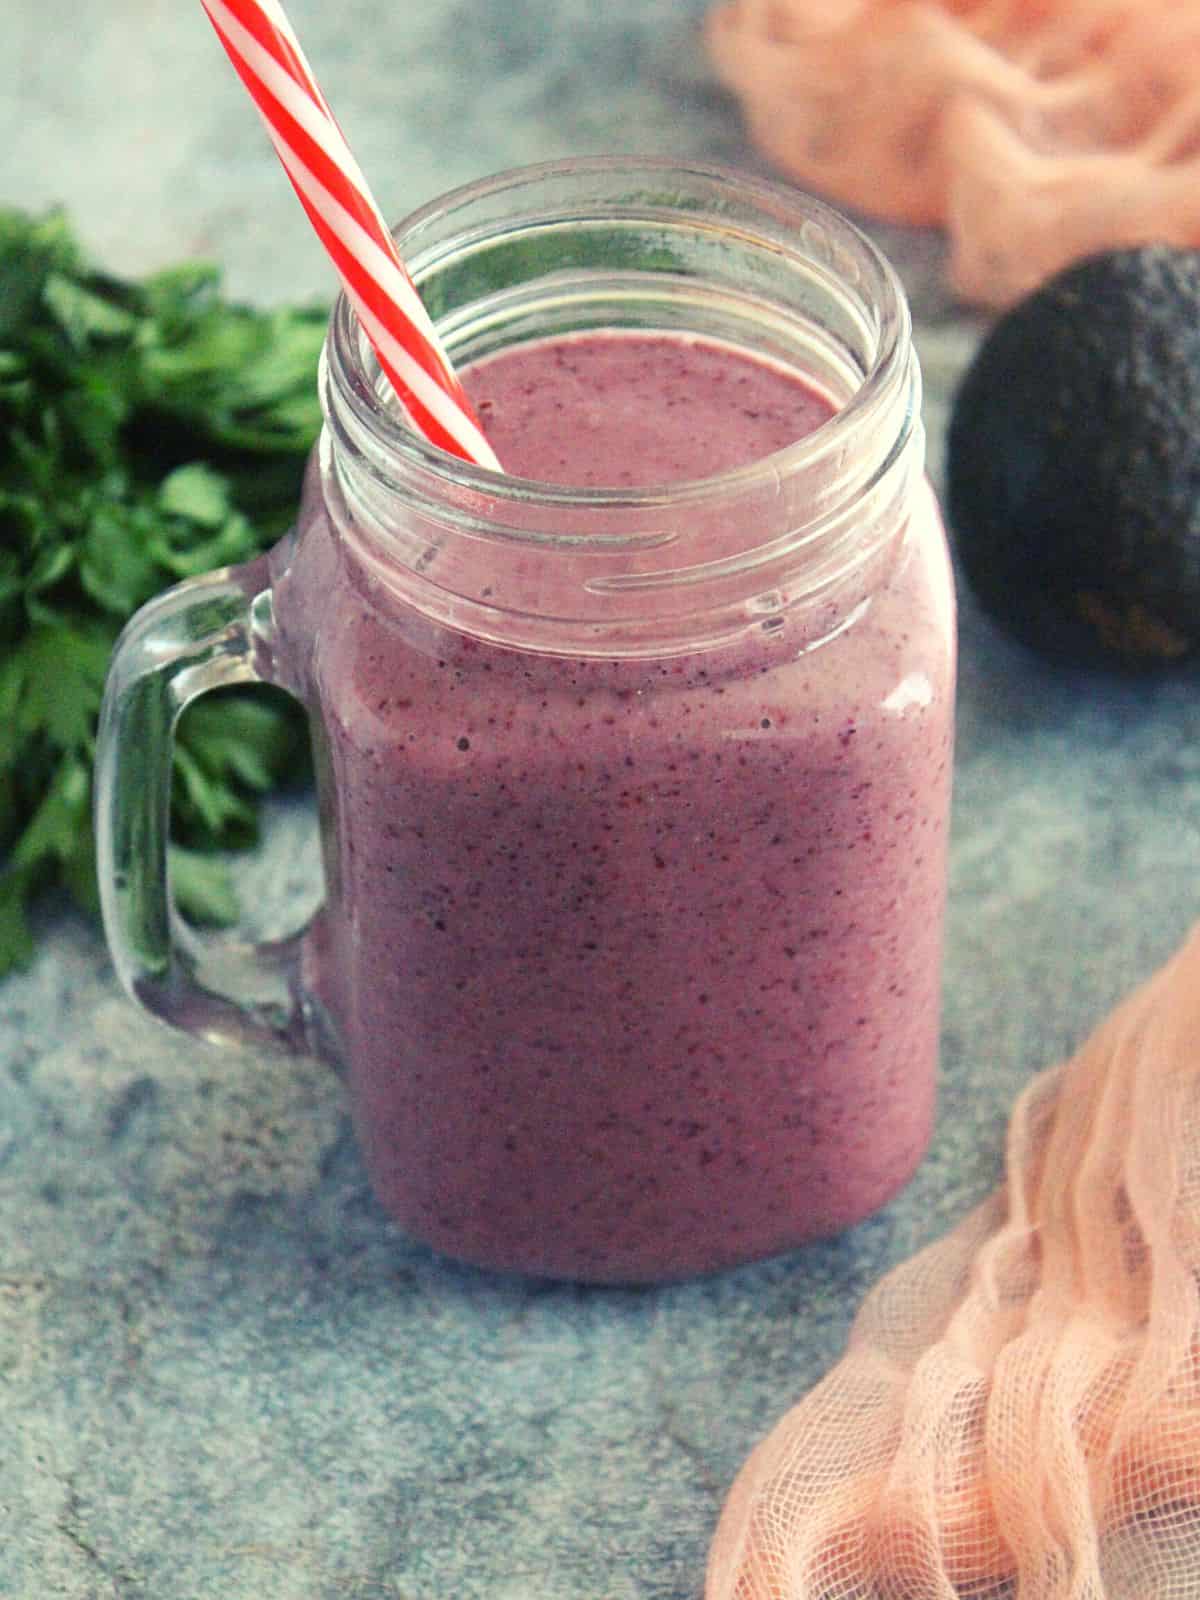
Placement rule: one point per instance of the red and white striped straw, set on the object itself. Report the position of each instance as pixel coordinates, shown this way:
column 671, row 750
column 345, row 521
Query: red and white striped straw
column 267, row 57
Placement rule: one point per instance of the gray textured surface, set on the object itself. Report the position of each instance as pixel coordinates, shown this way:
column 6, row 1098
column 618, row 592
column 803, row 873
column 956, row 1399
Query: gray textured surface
column 221, row 1372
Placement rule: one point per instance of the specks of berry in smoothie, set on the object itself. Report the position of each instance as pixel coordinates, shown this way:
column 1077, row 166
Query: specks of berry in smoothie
column 601, row 980
column 638, row 408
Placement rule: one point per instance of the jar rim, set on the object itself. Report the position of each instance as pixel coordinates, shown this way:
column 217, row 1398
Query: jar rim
column 348, row 383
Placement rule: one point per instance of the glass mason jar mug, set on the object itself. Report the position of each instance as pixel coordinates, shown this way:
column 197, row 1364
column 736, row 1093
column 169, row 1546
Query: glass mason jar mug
column 633, row 801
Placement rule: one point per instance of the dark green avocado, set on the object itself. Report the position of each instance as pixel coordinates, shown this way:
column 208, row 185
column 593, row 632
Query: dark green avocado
column 1073, row 462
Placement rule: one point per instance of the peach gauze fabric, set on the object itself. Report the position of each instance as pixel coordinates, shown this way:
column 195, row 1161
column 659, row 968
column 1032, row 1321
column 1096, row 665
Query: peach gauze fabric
column 1035, row 131
column 1018, row 1409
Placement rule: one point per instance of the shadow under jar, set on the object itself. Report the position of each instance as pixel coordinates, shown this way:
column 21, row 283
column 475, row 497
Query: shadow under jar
column 633, row 800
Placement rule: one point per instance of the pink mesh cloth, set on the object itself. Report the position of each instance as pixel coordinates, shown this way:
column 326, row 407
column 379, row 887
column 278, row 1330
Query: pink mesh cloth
column 1018, row 1408
column 1036, row 131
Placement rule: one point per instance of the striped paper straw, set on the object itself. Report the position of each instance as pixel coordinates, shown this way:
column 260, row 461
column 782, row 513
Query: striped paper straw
column 267, row 57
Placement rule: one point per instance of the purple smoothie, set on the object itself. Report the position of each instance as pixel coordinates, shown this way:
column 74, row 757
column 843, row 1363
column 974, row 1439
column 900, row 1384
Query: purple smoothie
column 635, row 962
column 626, row 409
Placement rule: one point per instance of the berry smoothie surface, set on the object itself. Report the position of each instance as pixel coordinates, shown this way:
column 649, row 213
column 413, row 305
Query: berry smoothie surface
column 630, row 410
column 634, row 964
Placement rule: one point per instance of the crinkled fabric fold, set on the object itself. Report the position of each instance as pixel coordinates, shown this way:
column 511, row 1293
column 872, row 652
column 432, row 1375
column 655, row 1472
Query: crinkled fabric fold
column 1036, row 133
column 1018, row 1409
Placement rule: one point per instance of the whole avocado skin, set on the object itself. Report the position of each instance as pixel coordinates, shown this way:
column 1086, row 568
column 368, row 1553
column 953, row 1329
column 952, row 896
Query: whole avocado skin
column 1073, row 462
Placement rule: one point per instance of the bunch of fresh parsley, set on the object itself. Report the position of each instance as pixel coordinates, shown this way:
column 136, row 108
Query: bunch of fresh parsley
column 148, row 431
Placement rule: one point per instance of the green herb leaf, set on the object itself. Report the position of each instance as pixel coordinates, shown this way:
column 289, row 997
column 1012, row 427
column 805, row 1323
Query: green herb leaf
column 16, row 941
column 203, row 888
column 149, row 430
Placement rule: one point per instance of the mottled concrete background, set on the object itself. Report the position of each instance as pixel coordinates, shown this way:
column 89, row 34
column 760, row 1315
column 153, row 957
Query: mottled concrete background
column 222, row 1373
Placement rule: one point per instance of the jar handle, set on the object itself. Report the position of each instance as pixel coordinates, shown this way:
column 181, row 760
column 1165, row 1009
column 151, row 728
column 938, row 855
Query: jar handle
column 205, row 633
